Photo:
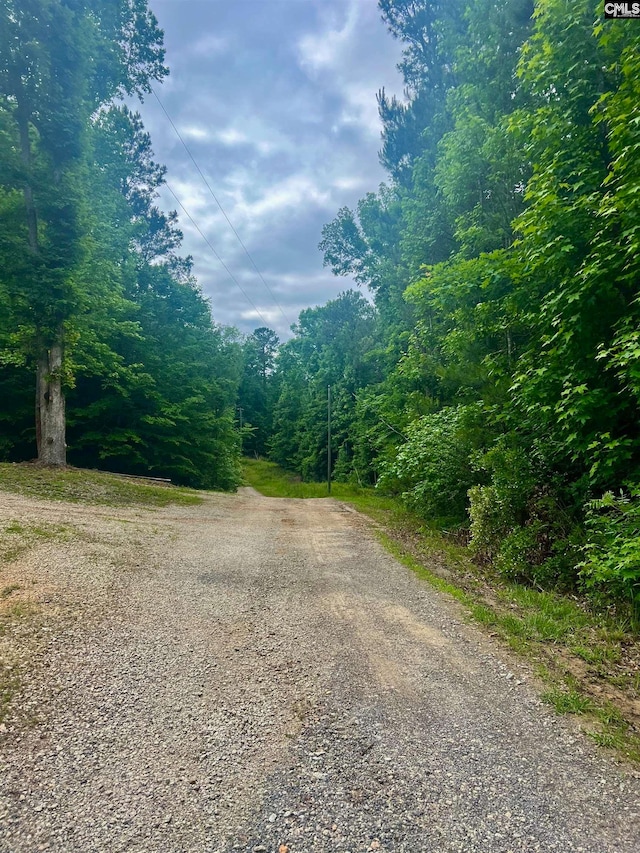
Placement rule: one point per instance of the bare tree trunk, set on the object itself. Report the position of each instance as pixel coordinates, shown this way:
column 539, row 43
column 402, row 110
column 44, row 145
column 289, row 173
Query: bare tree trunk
column 50, row 402
column 50, row 407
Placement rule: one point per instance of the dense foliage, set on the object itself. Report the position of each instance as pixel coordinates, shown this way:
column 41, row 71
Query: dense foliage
column 97, row 304
column 495, row 383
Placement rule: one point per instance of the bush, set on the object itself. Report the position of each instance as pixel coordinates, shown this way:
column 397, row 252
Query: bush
column 498, row 509
column 432, row 470
column 519, row 525
column 610, row 570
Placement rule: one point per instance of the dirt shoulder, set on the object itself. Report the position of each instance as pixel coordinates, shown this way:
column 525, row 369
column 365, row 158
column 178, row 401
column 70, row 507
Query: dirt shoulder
column 259, row 674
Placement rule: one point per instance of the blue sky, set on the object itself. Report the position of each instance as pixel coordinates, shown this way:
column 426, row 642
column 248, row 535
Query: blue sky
column 276, row 101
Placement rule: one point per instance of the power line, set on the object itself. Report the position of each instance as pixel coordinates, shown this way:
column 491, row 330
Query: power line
column 215, row 198
column 206, row 239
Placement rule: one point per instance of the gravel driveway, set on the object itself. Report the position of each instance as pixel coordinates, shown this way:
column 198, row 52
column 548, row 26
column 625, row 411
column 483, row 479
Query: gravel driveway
column 257, row 674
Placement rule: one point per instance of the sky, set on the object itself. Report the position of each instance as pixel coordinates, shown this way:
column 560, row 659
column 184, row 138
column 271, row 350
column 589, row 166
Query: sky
column 276, row 101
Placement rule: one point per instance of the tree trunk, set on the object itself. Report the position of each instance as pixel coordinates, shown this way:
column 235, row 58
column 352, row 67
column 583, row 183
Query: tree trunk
column 50, row 403
column 50, row 407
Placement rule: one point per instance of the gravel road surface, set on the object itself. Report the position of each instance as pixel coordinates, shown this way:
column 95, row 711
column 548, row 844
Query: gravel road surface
column 257, row 674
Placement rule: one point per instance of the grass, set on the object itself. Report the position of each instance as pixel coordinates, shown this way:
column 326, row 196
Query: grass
column 8, row 590
column 440, row 583
column 589, row 662
column 13, row 616
column 16, row 538
column 273, row 482
column 568, row 701
column 94, row 487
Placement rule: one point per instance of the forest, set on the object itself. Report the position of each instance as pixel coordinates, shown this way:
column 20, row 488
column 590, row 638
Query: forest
column 484, row 358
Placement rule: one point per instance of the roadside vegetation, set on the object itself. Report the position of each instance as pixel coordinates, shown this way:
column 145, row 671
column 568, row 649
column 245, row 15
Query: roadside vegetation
column 588, row 661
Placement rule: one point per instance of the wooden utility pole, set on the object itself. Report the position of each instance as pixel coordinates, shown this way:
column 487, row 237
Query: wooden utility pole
column 329, row 439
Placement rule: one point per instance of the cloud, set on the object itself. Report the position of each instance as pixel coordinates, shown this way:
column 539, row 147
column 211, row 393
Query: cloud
column 361, row 108
column 276, row 101
column 350, row 183
column 326, row 50
column 340, row 59
column 190, row 193
column 270, row 317
column 192, row 131
column 254, row 134
column 233, row 136
column 289, row 194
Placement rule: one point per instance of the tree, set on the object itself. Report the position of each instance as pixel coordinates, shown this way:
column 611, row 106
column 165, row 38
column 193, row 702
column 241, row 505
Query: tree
column 155, row 378
column 258, row 388
column 413, row 127
column 365, row 244
column 60, row 62
column 330, row 347
column 577, row 242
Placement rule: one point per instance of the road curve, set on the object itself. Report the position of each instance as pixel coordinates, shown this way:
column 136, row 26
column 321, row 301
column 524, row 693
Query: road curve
column 257, row 674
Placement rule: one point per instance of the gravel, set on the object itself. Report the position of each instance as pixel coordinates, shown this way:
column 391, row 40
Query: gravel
column 257, row 674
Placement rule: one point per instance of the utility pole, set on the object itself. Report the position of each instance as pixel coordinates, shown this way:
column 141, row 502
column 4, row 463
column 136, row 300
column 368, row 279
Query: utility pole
column 329, row 439
column 240, row 411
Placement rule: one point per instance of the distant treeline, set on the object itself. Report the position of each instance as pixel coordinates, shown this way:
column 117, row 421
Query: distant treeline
column 495, row 382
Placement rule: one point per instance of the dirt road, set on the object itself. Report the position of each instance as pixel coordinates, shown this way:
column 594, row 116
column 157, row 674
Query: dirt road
column 257, row 674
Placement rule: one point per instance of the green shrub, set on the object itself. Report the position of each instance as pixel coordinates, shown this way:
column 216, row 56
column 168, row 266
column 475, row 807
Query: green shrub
column 431, row 470
column 519, row 552
column 610, row 570
column 498, row 509
column 521, row 526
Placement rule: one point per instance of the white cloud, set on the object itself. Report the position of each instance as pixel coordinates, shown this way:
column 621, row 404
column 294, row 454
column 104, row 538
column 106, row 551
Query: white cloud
column 232, row 136
column 337, row 59
column 257, row 138
column 272, row 317
column 362, row 108
column 191, row 195
column 292, row 192
column 192, row 131
column 350, row 183
column 325, row 50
